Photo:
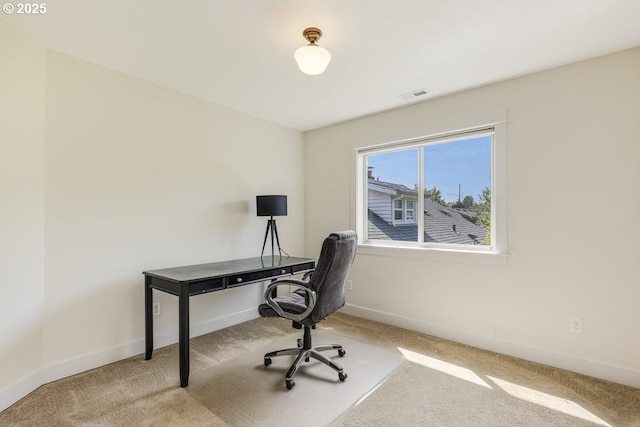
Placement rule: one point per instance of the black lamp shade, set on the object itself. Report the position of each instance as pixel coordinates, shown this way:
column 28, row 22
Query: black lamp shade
column 271, row 205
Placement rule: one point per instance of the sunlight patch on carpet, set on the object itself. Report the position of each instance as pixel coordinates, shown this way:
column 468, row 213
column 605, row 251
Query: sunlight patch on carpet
column 444, row 367
column 555, row 403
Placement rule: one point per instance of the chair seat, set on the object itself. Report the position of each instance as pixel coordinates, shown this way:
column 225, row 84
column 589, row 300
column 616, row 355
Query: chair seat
column 292, row 302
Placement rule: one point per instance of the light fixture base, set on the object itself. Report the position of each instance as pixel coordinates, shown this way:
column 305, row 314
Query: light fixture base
column 312, row 34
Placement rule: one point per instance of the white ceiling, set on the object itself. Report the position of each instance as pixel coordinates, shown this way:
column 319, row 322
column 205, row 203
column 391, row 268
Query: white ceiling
column 239, row 53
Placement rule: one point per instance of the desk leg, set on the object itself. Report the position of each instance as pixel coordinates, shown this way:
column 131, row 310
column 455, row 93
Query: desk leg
column 148, row 318
column 183, row 335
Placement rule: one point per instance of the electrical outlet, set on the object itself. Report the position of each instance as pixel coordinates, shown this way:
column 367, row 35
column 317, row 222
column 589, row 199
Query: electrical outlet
column 156, row 308
column 575, row 326
column 349, row 285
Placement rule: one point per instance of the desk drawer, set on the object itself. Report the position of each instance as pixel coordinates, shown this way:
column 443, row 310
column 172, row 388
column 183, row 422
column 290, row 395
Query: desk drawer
column 258, row 276
column 206, row 286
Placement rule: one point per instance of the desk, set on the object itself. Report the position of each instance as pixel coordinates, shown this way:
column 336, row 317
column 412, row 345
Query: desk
column 191, row 280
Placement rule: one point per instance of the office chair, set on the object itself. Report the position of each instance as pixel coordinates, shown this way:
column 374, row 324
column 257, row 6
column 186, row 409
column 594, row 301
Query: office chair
column 318, row 295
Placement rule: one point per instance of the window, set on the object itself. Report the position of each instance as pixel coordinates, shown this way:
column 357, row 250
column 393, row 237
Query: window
column 403, row 211
column 434, row 192
column 398, row 210
column 410, row 210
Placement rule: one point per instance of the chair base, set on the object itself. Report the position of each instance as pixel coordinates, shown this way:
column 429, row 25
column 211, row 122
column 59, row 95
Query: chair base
column 304, row 353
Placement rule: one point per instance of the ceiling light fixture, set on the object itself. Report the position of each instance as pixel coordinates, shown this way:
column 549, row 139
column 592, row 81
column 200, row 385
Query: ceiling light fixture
column 312, row 59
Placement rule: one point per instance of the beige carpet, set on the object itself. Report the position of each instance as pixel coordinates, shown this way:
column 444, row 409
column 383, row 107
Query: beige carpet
column 459, row 402
column 244, row 392
column 438, row 383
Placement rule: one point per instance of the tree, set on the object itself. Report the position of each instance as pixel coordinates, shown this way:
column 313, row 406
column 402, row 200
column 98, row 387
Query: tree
column 483, row 209
column 468, row 202
column 436, row 195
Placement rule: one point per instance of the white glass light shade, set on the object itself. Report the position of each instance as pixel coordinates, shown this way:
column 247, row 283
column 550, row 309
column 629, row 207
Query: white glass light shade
column 312, row 59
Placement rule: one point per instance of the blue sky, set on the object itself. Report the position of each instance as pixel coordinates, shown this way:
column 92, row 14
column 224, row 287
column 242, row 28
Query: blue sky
column 466, row 163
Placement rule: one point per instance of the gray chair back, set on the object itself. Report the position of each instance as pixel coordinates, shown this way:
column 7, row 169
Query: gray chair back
column 337, row 255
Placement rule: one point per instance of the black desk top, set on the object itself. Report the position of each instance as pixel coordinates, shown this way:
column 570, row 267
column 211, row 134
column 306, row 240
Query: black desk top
column 224, row 268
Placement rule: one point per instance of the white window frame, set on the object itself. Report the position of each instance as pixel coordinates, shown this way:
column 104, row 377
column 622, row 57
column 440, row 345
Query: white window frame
column 496, row 253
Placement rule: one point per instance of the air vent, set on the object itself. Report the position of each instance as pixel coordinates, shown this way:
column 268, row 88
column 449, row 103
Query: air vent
column 414, row 94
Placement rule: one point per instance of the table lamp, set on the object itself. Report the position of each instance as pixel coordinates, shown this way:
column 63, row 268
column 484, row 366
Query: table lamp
column 271, row 206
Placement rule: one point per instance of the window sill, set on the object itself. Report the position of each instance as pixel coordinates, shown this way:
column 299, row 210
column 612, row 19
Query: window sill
column 435, row 255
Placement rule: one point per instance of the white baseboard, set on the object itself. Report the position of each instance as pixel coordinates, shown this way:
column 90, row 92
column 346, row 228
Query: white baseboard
column 606, row 371
column 20, row 388
column 85, row 362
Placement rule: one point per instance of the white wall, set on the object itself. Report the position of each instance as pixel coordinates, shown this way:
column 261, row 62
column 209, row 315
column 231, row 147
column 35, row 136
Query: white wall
column 22, row 86
column 140, row 177
column 573, row 226
column 136, row 177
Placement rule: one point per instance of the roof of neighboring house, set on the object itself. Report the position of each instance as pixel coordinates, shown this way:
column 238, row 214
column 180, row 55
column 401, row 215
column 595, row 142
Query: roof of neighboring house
column 439, row 222
column 379, row 229
column 391, row 188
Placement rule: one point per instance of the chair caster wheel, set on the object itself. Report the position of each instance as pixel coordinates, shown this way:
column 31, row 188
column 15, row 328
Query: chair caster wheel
column 341, row 353
column 290, row 384
column 342, row 376
column 267, row 361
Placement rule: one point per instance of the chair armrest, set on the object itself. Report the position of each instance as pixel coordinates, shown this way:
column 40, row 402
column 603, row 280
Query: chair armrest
column 298, row 283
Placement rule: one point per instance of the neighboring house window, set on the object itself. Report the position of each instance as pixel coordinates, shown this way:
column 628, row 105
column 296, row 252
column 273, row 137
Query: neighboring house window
column 433, row 192
column 398, row 210
column 403, row 211
column 410, row 210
